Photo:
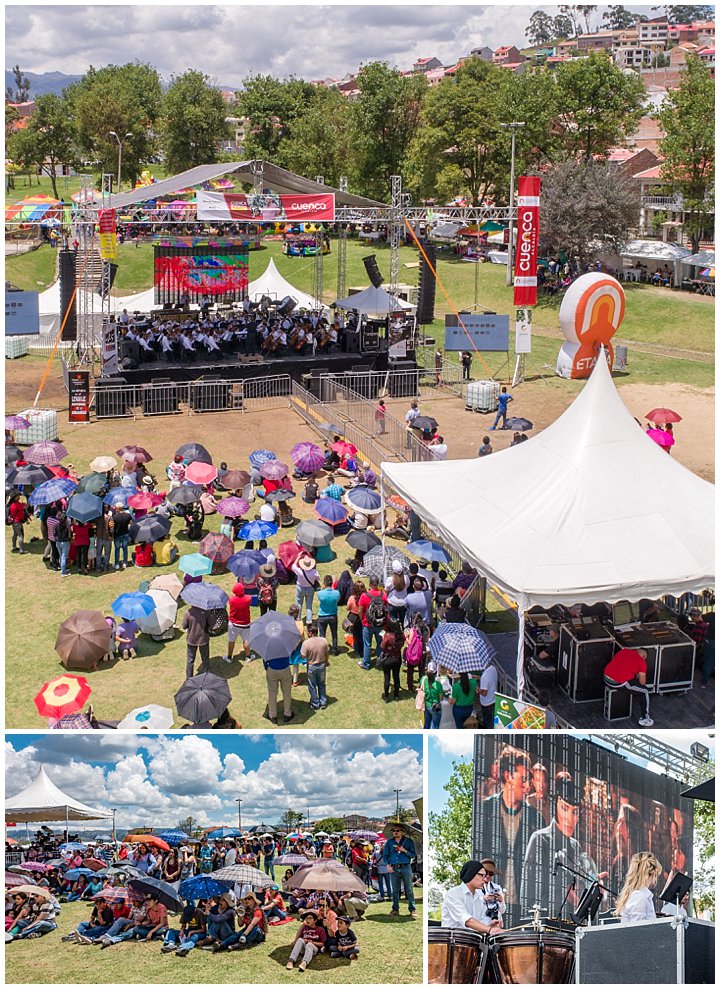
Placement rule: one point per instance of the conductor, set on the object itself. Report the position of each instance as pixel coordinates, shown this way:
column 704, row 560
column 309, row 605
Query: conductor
column 465, row 905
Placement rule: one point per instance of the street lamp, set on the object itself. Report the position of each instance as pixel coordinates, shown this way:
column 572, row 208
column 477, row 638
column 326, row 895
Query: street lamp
column 114, row 835
column 238, row 801
column 512, row 127
column 397, row 803
column 120, row 142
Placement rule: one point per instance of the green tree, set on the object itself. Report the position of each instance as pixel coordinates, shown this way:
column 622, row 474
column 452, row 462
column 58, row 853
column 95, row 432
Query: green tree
column 586, row 203
column 189, row 825
column 540, row 29
column 563, row 26
column 451, row 829
column 317, row 142
column 21, row 93
column 192, row 121
column 572, row 13
column 704, row 840
column 597, row 105
column 292, row 819
column 121, row 98
column 617, row 18
column 48, row 141
column 383, row 122
column 687, row 116
column 688, row 13
column 271, row 106
column 329, row 824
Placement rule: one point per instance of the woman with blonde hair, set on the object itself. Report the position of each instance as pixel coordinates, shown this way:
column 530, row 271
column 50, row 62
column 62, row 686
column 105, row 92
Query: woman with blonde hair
column 636, row 899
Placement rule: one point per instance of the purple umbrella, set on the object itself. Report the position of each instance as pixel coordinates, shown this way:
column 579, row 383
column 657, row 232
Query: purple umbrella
column 48, row 452
column 330, row 511
column 273, row 470
column 307, row 457
column 243, row 567
column 232, row 507
column 16, row 422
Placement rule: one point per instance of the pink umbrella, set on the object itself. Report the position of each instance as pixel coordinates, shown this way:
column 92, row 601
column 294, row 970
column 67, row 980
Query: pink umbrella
column 308, row 457
column 289, row 552
column 660, row 437
column 144, row 500
column 33, row 867
column 200, row 473
column 232, row 507
column 48, row 452
column 274, row 470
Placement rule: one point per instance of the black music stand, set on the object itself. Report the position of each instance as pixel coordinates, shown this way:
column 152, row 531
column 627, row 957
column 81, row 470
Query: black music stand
column 589, row 904
column 675, row 888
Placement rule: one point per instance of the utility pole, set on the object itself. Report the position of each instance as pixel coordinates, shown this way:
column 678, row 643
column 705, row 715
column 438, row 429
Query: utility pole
column 512, row 127
column 238, row 801
column 114, row 836
column 397, row 803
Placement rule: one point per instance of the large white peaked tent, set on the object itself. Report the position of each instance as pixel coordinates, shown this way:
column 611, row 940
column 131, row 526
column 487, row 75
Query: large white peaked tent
column 272, row 284
column 43, row 801
column 374, row 302
column 590, row 509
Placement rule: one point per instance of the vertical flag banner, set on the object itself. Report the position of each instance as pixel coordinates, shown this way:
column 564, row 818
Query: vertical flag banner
column 108, row 235
column 528, row 235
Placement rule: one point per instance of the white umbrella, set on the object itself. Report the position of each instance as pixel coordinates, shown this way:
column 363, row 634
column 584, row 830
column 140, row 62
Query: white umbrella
column 103, row 464
column 164, row 615
column 151, row 716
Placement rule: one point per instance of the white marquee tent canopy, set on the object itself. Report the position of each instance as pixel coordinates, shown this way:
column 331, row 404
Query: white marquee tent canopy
column 41, row 800
column 374, row 302
column 655, row 250
column 590, row 509
column 272, row 283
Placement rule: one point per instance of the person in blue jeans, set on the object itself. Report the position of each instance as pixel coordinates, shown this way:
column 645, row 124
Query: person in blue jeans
column 220, row 921
column 315, row 650
column 41, row 923
column 328, row 599
column 369, row 630
column 122, row 519
column 268, row 850
column 383, row 875
column 193, row 928
column 306, row 583
column 399, row 852
column 101, row 920
column 63, row 538
column 274, row 906
column 251, row 928
column 503, row 400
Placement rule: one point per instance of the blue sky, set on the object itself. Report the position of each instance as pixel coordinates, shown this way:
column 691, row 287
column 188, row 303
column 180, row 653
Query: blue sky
column 160, row 779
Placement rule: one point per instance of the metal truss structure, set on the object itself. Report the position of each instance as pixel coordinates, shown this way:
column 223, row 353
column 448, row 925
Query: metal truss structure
column 678, row 764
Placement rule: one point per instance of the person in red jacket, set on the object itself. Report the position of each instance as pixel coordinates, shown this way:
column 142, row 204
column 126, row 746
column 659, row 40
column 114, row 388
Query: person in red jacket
column 17, row 510
column 81, row 540
column 238, row 619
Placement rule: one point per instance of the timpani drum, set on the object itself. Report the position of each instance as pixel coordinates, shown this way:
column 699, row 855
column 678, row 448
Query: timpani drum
column 455, row 957
column 525, row 956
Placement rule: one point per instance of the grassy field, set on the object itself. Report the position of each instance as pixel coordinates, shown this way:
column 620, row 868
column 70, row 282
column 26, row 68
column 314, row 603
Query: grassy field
column 391, row 951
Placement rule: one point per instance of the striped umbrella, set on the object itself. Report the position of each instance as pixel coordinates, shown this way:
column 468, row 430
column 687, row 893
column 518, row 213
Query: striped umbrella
column 48, row 452
column 460, row 648
column 217, row 548
column 273, row 470
column 50, row 491
column 307, row 457
column 330, row 511
column 232, row 507
column 63, row 695
column 259, row 457
column 378, row 562
column 244, row 875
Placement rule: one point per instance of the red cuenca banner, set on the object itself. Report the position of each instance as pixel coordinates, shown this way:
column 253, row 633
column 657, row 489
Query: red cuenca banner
column 265, row 207
column 528, row 235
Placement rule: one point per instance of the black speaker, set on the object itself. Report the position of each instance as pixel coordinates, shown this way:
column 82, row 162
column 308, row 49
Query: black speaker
column 426, row 300
column 286, row 306
column 109, row 270
column 352, row 342
column 66, row 270
column 376, row 279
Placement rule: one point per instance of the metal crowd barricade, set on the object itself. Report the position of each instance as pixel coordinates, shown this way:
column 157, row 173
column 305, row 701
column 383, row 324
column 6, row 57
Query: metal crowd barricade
column 116, row 401
column 210, row 396
column 258, row 394
column 162, row 399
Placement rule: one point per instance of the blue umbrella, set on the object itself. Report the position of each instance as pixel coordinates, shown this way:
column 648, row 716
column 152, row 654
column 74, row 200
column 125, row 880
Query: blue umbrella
column 330, row 511
column 195, row 564
column 173, row 838
column 202, row 887
column 49, row 491
column 273, row 636
column 258, row 530
column 116, row 495
column 205, row 596
column 363, row 498
column 460, row 648
column 85, row 507
column 73, row 846
column 133, row 605
column 223, row 833
column 259, row 457
column 258, row 555
column 74, row 874
column 243, row 567
column 426, row 549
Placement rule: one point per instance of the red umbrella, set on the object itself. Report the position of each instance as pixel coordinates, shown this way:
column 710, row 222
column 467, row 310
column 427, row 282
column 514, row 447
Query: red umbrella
column 217, row 548
column 200, row 473
column 344, row 449
column 660, row 437
column 59, row 471
column 146, row 839
column 63, row 695
column 662, row 416
column 289, row 552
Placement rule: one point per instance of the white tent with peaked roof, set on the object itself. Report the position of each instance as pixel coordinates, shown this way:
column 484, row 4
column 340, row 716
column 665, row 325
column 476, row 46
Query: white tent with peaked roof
column 41, row 800
column 374, row 302
column 272, row 284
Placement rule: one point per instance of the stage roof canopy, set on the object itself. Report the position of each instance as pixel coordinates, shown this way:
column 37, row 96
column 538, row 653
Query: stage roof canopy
column 41, row 800
column 276, row 179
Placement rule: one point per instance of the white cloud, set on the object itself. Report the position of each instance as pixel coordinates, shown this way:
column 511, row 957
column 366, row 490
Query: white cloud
column 455, row 743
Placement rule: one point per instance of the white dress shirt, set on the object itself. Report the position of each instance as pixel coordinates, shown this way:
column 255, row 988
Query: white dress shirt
column 462, row 904
column 639, row 906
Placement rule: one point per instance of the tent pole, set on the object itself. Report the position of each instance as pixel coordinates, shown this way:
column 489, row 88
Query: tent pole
column 382, row 515
column 520, row 671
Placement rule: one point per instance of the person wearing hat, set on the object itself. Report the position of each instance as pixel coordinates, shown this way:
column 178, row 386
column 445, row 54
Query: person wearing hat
column 398, row 853
column 306, row 585
column 252, row 926
column 345, row 943
column 493, row 891
column 267, row 585
column 220, row 921
column 238, row 619
column 465, row 905
column 308, row 941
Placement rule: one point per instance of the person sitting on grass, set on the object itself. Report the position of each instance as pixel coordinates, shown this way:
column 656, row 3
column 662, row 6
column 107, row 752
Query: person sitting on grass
column 125, row 634
column 123, row 927
column 18, row 910
column 40, row 919
column 274, row 906
column 310, row 939
column 193, row 928
column 252, row 926
column 220, row 920
column 101, row 920
column 156, row 924
column 327, row 918
column 346, row 943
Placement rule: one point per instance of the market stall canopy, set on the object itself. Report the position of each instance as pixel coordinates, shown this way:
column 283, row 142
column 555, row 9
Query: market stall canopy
column 272, row 283
column 374, row 302
column 588, row 510
column 703, row 259
column 276, row 179
column 655, row 250
column 43, row 801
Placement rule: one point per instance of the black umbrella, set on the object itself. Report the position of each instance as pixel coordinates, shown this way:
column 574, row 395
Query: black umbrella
column 202, row 698
column 166, row 893
column 93, row 483
column 12, row 453
column 280, row 495
column 518, row 424
column 150, row 529
column 362, row 540
column 424, row 422
column 193, row 452
column 29, row 476
column 186, row 494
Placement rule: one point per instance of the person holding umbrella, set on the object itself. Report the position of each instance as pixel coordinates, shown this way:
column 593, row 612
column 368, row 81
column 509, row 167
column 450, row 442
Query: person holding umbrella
column 195, row 621
column 399, row 852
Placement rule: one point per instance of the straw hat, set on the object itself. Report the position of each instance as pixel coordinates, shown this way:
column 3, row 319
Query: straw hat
column 268, row 568
column 307, row 913
column 250, row 894
column 305, row 562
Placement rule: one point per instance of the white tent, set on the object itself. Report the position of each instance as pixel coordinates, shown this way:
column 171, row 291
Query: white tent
column 373, row 302
column 272, row 284
column 655, row 250
column 43, row 801
column 590, row 509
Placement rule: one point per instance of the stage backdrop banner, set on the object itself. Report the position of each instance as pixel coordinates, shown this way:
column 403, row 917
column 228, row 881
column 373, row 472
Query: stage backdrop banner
column 265, row 207
column 545, row 804
column 528, row 234
column 487, row 331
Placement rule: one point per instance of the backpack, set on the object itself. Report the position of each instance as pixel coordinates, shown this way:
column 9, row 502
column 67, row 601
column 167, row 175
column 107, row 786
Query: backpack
column 266, row 592
column 415, row 649
column 376, row 613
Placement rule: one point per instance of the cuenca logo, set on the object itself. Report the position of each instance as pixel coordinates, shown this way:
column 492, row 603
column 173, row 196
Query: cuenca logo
column 527, row 240
column 317, row 207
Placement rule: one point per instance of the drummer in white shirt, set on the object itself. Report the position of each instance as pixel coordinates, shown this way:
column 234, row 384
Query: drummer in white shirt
column 636, row 898
column 465, row 905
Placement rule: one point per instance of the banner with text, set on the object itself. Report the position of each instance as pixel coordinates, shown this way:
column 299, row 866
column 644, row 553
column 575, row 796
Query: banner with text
column 79, row 388
column 108, row 234
column 528, row 235
column 265, row 207
column 484, row 331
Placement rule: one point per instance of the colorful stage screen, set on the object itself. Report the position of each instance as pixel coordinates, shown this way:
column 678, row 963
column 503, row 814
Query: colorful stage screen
column 546, row 805
column 215, row 271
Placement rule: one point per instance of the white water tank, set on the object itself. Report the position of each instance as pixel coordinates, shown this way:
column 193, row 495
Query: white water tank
column 482, row 396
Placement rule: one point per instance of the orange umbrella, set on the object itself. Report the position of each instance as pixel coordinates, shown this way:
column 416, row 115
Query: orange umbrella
column 63, row 695
column 146, row 839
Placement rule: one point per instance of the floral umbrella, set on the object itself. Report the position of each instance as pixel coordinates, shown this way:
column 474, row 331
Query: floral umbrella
column 233, row 507
column 217, row 548
column 274, row 470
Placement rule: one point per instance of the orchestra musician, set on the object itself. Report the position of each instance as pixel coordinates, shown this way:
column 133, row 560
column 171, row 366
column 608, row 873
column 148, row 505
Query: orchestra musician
column 465, row 905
